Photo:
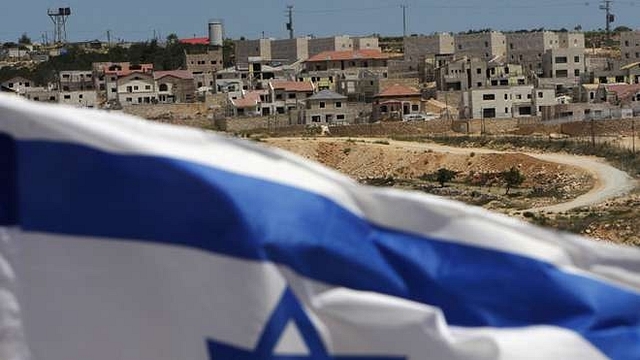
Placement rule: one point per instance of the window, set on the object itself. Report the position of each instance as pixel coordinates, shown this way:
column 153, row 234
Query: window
column 528, row 96
column 338, row 104
column 562, row 73
column 322, row 104
column 518, row 96
column 561, row 60
column 576, row 72
column 80, row 96
column 486, row 44
column 113, row 90
column 129, row 99
column 479, row 84
column 415, row 107
column 291, row 95
column 576, row 59
column 147, row 87
column 67, row 96
column 488, row 97
column 540, row 94
column 135, row 87
column 163, row 87
column 315, row 118
column 506, row 97
column 506, row 110
column 10, row 85
column 626, row 43
column 478, row 71
column 340, row 117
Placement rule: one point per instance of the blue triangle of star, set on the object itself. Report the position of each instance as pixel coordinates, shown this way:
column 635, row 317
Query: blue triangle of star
column 288, row 309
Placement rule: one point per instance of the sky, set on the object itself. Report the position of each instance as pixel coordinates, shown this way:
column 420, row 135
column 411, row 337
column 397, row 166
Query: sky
column 135, row 20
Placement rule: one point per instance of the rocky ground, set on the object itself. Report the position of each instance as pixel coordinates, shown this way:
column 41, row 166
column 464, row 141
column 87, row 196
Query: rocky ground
column 477, row 182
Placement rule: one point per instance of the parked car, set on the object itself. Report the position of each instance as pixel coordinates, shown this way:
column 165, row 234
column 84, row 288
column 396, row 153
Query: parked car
column 414, row 117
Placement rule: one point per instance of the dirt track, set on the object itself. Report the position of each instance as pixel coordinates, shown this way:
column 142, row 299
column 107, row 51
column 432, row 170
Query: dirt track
column 609, row 181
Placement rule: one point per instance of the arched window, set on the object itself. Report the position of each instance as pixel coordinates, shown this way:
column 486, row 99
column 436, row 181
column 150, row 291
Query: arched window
column 163, row 87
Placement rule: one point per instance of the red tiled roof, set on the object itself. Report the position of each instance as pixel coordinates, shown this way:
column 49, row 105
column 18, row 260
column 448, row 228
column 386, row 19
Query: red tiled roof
column 398, row 90
column 300, row 86
column 623, row 91
column 368, row 54
column 250, row 99
column 195, row 41
column 180, row 74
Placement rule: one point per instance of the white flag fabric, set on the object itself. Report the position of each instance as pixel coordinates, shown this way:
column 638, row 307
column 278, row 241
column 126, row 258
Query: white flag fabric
column 127, row 239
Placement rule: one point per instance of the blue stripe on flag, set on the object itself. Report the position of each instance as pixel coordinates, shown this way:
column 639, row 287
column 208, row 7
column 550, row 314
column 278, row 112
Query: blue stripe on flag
column 73, row 189
column 8, row 191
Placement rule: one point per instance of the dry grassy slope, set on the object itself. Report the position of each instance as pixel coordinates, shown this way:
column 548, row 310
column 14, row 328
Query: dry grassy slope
column 360, row 161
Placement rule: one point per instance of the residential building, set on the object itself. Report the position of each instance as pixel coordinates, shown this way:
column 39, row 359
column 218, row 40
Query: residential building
column 327, row 107
column 288, row 51
column 106, row 75
column 249, row 103
column 287, row 95
column 365, row 43
column 79, row 98
column 619, row 94
column 417, row 48
column 333, row 43
column 42, row 94
column 464, row 74
column 203, row 66
column 252, row 48
column 323, row 69
column 630, row 46
column 506, row 101
column 396, row 101
column 136, row 88
column 484, row 45
column 528, row 48
column 18, row 84
column 360, row 87
column 564, row 65
column 175, row 86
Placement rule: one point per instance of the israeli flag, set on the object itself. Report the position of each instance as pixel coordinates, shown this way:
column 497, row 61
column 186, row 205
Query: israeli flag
column 130, row 240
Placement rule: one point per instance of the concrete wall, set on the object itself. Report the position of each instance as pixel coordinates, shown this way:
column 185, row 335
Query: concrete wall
column 481, row 45
column 290, row 50
column 167, row 111
column 630, row 46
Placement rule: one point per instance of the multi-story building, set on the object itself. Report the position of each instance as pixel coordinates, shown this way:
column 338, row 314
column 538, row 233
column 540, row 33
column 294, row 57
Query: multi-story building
column 484, row 45
column 288, row 95
column 175, row 86
column 288, row 51
column 77, row 88
column 362, row 43
column 630, row 46
column 417, row 48
column 17, row 84
column 564, row 66
column 360, row 87
column 464, row 74
column 107, row 75
column 327, row 107
column 506, row 101
column 396, row 101
column 323, row 69
column 203, row 66
column 244, row 49
column 528, row 48
column 137, row 88
column 333, row 43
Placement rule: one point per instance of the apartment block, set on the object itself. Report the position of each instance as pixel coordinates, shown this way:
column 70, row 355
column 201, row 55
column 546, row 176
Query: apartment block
column 464, row 74
column 334, row 43
column 288, row 51
column 203, row 66
column 630, row 46
column 362, row 43
column 252, row 48
column 419, row 47
column 565, row 65
column 507, row 102
column 486, row 45
column 528, row 48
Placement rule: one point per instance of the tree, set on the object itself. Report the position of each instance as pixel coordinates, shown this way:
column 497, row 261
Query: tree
column 444, row 175
column 24, row 39
column 513, row 178
column 172, row 39
column 622, row 28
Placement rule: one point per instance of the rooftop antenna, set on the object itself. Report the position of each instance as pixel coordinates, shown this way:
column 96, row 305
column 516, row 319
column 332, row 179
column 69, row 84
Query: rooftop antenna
column 59, row 17
column 606, row 6
column 290, row 23
column 404, row 20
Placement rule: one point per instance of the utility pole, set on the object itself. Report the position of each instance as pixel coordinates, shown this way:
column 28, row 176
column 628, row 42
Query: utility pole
column 633, row 134
column 606, row 6
column 290, row 23
column 404, row 20
column 109, row 37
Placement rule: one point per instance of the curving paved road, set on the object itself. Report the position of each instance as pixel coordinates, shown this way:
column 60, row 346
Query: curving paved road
column 610, row 181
